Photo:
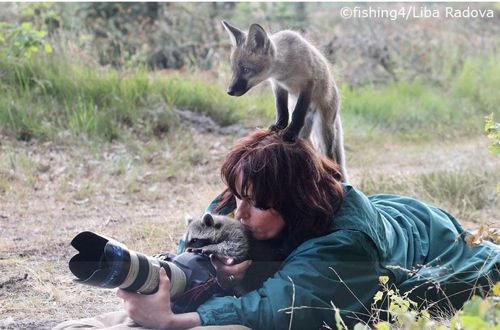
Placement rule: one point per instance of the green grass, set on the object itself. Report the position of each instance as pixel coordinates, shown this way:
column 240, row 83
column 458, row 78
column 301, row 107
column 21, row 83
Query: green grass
column 419, row 109
column 411, row 109
column 191, row 93
column 48, row 94
column 42, row 96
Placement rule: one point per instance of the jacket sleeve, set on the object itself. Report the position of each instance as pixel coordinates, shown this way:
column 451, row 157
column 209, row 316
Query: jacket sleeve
column 339, row 269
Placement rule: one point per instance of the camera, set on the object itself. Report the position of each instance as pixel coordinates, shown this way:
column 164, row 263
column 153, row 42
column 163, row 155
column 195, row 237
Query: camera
column 107, row 263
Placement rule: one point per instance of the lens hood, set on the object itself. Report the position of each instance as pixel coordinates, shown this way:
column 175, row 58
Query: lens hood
column 101, row 261
column 104, row 262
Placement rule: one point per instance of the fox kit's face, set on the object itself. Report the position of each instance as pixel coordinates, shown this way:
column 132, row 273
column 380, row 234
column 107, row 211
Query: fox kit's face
column 251, row 58
column 210, row 229
column 249, row 70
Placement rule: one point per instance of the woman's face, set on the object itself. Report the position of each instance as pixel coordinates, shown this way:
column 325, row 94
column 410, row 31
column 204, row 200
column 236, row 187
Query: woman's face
column 262, row 223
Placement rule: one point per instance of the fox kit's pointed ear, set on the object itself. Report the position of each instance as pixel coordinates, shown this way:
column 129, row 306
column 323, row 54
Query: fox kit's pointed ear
column 208, row 220
column 237, row 36
column 257, row 39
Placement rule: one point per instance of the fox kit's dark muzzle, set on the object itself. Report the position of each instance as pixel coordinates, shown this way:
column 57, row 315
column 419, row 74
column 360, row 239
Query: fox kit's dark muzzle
column 238, row 87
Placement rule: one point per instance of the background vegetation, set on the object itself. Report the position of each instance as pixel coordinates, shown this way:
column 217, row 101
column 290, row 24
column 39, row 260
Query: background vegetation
column 102, row 68
column 94, row 99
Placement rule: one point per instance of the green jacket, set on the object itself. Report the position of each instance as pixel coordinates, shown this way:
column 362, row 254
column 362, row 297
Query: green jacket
column 415, row 244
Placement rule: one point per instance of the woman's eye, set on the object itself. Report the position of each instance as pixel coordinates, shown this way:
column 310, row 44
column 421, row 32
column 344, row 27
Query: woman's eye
column 262, row 208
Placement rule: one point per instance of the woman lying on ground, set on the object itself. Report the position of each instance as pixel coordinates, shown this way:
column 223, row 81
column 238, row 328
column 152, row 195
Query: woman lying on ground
column 335, row 243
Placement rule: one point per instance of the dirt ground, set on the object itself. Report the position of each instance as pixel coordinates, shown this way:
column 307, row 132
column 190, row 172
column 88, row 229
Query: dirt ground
column 138, row 193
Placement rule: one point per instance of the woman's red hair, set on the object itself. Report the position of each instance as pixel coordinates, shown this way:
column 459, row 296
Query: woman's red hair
column 290, row 177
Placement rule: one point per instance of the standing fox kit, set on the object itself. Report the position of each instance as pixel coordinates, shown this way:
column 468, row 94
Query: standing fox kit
column 297, row 69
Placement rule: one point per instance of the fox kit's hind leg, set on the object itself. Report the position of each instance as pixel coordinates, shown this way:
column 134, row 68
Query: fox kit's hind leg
column 328, row 133
column 306, row 130
column 325, row 133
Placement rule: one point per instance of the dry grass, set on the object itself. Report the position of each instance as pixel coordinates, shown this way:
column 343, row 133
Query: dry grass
column 138, row 192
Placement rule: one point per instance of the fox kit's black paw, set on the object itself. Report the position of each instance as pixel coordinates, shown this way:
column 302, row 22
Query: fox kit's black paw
column 289, row 135
column 276, row 127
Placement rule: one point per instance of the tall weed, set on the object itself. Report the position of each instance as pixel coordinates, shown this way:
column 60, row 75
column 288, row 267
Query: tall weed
column 479, row 81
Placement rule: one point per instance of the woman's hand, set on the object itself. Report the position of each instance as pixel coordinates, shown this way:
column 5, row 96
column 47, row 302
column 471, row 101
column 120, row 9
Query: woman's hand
column 229, row 274
column 154, row 310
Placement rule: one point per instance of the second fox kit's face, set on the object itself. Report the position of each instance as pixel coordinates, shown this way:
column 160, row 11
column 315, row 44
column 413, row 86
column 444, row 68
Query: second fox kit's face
column 211, row 229
column 251, row 58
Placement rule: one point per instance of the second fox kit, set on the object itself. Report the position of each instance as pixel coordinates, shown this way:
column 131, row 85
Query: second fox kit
column 226, row 237
column 219, row 235
column 297, row 69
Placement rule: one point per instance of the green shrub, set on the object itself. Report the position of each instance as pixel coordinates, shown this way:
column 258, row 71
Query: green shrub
column 18, row 42
column 403, row 313
column 478, row 82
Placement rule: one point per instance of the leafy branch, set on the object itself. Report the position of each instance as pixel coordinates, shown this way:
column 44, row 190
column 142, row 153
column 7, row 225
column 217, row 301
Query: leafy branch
column 493, row 129
column 22, row 41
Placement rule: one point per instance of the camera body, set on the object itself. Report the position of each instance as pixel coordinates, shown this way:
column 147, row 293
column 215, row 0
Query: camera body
column 106, row 263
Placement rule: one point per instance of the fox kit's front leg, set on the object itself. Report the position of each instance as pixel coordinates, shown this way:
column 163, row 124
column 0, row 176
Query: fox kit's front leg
column 298, row 117
column 281, row 97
